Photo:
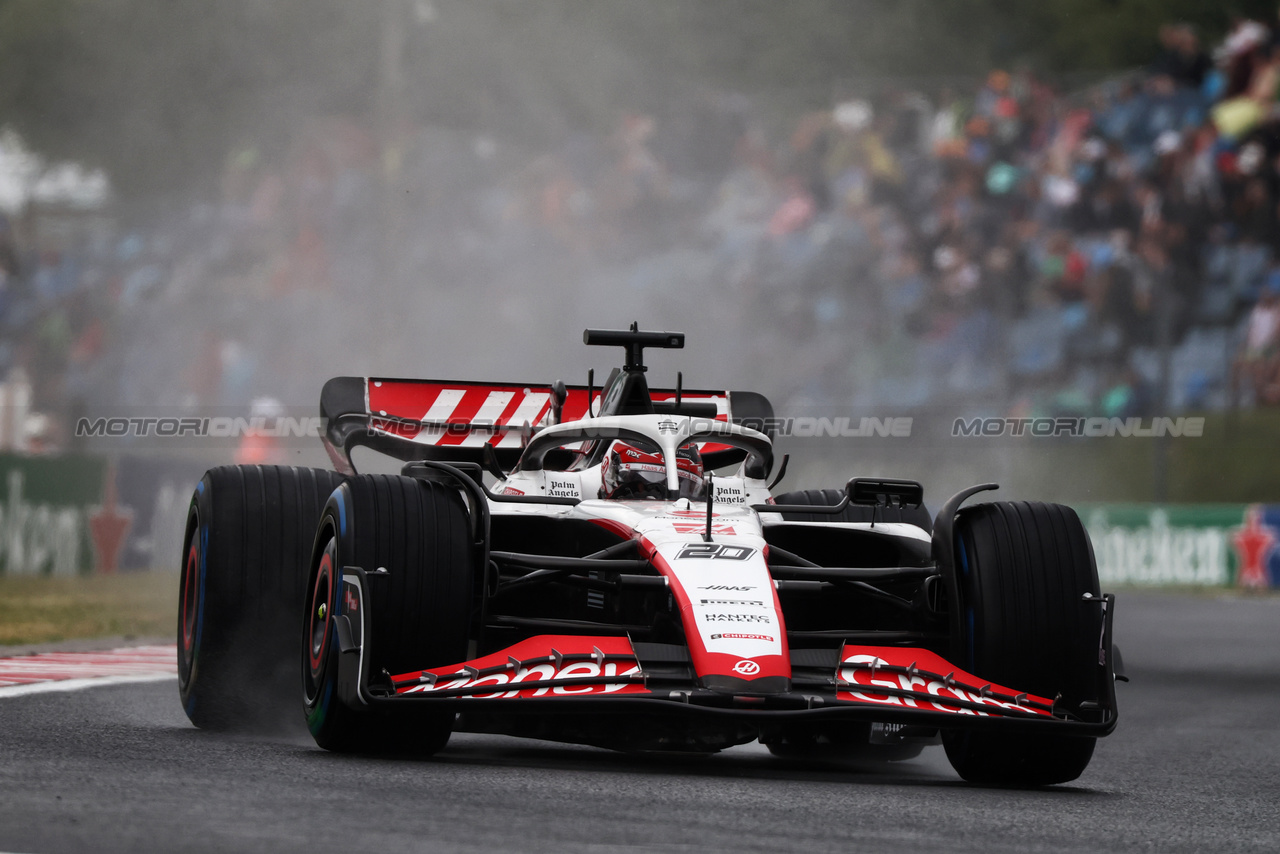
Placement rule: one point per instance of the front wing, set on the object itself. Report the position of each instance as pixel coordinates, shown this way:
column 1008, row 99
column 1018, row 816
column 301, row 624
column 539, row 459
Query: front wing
column 563, row 674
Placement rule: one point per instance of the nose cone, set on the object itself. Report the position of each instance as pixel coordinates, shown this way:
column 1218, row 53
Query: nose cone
column 730, row 611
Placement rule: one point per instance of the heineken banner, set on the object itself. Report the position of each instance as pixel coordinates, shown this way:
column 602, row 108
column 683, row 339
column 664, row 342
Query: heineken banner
column 73, row 515
column 1203, row 545
column 44, row 512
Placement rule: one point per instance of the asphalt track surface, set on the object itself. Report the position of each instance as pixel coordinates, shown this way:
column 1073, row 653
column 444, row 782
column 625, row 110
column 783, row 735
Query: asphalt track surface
column 1192, row 767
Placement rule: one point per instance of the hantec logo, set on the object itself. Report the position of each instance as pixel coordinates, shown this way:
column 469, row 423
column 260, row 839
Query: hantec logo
column 746, row 667
column 667, row 427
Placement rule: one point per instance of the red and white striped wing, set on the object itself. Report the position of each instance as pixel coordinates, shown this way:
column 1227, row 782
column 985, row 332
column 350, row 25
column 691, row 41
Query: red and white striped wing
column 470, row 414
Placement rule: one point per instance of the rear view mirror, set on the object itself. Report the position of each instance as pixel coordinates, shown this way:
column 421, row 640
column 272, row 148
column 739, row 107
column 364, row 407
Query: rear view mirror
column 884, row 492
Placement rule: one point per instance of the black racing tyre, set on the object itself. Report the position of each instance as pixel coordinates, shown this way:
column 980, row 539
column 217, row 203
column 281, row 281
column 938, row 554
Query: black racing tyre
column 1023, row 571
column 917, row 516
column 420, row 609
column 249, row 535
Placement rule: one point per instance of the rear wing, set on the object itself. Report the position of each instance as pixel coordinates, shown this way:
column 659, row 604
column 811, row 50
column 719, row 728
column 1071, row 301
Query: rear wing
column 453, row 421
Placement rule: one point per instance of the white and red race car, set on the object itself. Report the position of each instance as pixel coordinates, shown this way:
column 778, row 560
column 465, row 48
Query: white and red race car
column 608, row 567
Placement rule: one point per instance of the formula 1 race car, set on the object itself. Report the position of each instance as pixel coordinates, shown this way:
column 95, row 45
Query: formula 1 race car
column 608, row 567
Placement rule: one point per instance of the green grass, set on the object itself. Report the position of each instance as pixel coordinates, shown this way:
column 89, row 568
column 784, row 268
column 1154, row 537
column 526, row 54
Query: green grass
column 40, row 610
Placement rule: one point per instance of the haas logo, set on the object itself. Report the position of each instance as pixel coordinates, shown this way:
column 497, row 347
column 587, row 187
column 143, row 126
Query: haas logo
column 746, row 667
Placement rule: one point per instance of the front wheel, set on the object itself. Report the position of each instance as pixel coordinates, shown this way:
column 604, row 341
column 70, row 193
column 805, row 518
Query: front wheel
column 416, row 535
column 1024, row 569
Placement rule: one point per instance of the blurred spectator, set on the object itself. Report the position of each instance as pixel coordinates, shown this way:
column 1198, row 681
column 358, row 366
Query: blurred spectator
column 260, row 445
column 1257, row 366
column 1181, row 59
column 996, row 241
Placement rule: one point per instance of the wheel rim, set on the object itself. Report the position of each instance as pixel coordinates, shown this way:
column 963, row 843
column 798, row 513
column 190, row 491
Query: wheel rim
column 189, row 607
column 189, row 587
column 320, row 620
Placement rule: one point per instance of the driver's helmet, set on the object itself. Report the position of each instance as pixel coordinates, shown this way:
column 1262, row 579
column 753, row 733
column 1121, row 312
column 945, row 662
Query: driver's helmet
column 634, row 469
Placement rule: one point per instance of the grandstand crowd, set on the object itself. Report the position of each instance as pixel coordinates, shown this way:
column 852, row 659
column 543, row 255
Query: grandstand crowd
column 1108, row 251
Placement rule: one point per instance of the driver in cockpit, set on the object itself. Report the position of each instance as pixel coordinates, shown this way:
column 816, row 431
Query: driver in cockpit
column 635, row 470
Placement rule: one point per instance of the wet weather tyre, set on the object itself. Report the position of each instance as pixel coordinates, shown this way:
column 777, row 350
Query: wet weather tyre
column 917, row 516
column 248, row 539
column 419, row 609
column 1023, row 571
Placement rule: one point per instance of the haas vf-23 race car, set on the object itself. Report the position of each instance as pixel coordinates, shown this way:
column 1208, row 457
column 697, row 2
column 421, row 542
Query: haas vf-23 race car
column 607, row 566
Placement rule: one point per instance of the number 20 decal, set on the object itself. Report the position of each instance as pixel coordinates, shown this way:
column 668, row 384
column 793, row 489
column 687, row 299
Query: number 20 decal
column 715, row 551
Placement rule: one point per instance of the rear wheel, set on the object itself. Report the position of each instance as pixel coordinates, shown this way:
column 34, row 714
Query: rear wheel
column 244, row 562
column 917, row 516
column 1024, row 569
column 419, row 609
